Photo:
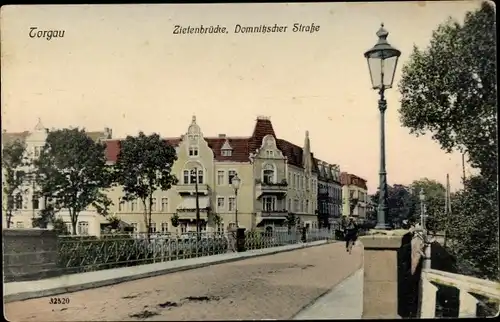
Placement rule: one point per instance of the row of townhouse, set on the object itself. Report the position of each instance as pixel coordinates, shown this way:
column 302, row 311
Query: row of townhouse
column 277, row 177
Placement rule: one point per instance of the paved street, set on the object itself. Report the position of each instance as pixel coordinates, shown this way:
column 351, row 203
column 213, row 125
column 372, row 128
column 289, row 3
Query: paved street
column 268, row 287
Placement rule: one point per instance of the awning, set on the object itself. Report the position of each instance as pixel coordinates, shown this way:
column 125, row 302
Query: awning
column 189, row 203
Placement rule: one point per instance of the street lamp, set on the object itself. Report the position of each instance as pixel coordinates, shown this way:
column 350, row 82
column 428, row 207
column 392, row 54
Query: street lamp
column 195, row 176
column 382, row 62
column 422, row 208
column 426, row 241
column 236, row 185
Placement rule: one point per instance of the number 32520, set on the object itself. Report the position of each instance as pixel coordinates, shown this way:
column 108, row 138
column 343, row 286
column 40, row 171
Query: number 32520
column 59, row 300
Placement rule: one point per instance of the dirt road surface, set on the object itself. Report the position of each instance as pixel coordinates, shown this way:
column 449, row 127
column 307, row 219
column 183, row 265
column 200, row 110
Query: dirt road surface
column 268, row 287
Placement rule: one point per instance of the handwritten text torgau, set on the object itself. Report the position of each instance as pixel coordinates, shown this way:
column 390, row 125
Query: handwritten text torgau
column 47, row 34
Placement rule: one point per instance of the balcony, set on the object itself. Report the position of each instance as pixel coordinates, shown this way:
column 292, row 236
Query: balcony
column 323, row 193
column 470, row 290
column 190, row 189
column 278, row 189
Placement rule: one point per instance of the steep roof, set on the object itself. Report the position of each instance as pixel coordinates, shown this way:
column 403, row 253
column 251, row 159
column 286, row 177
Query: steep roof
column 352, row 179
column 263, row 127
column 241, row 146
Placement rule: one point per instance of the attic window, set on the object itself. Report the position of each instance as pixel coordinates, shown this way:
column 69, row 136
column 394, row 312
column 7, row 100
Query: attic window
column 193, row 151
column 226, row 149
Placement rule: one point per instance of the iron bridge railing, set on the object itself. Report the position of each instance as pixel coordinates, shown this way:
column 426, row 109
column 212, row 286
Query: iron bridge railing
column 89, row 253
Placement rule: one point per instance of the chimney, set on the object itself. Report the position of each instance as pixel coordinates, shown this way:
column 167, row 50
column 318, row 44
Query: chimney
column 263, row 118
column 222, row 136
column 108, row 133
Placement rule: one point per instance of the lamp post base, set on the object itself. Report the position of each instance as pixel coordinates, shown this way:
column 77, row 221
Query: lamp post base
column 383, row 226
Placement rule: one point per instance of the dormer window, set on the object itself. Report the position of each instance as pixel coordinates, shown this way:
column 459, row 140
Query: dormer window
column 226, row 149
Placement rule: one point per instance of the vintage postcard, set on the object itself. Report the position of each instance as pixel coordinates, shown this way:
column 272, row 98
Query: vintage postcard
column 249, row 161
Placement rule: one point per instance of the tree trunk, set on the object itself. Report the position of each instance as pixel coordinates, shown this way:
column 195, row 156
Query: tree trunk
column 74, row 220
column 9, row 218
column 73, row 223
column 150, row 209
column 146, row 219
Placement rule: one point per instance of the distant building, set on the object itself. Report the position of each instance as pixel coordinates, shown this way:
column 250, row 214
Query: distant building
column 27, row 205
column 329, row 193
column 355, row 195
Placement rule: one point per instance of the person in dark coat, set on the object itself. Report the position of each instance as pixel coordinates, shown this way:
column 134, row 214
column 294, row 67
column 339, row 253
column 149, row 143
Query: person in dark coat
column 351, row 233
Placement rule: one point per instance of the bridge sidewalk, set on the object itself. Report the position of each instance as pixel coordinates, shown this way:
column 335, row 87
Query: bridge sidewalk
column 344, row 301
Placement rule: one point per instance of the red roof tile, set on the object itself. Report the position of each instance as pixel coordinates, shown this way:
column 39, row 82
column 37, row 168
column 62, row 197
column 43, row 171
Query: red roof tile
column 263, row 127
column 352, row 179
column 240, row 151
column 291, row 151
column 113, row 147
column 241, row 146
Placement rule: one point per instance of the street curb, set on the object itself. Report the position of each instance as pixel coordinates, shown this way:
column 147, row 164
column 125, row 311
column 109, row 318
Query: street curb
column 116, row 280
column 308, row 305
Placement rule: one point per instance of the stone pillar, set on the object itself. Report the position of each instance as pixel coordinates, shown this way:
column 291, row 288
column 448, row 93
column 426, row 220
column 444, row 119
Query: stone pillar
column 240, row 240
column 29, row 254
column 380, row 288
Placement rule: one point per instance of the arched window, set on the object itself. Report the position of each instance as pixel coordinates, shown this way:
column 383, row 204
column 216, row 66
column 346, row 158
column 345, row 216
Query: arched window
column 268, row 174
column 190, row 176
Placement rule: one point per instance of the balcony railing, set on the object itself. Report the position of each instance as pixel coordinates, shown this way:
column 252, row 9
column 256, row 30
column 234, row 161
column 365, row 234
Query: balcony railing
column 282, row 183
column 468, row 286
column 276, row 188
column 274, row 213
column 191, row 188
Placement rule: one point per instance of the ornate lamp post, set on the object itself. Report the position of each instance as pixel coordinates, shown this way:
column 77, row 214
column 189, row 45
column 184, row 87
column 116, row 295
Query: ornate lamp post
column 421, row 196
column 194, row 176
column 426, row 236
column 382, row 62
column 236, row 185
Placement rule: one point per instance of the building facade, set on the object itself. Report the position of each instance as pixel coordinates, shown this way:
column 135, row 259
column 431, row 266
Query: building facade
column 355, row 195
column 278, row 178
column 329, row 193
column 26, row 203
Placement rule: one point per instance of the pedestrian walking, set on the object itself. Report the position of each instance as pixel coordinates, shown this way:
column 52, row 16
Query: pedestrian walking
column 231, row 238
column 350, row 233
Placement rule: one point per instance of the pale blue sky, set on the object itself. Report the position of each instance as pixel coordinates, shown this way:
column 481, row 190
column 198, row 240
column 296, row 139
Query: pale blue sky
column 120, row 66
